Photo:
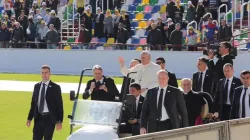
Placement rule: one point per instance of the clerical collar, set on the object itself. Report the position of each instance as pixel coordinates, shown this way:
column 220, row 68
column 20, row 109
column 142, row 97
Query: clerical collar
column 224, row 55
column 147, row 64
column 187, row 92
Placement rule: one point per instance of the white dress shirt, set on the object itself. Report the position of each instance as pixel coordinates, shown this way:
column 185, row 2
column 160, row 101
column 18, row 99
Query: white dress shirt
column 203, row 78
column 164, row 114
column 145, row 76
column 228, row 89
column 101, row 81
column 137, row 102
column 246, row 102
column 45, row 108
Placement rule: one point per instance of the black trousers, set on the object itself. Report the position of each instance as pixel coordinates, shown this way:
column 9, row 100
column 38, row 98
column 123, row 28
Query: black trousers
column 43, row 128
column 164, row 125
column 226, row 112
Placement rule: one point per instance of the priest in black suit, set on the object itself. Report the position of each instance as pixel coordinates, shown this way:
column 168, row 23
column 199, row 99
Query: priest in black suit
column 172, row 78
column 100, row 88
column 224, row 93
column 203, row 79
column 163, row 108
column 241, row 101
column 46, row 107
column 224, row 51
column 132, row 119
column 125, row 88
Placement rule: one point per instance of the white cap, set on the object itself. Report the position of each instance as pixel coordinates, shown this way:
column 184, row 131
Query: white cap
column 43, row 3
column 52, row 12
column 39, row 17
column 200, row 0
column 189, row 2
column 87, row 8
column 169, row 19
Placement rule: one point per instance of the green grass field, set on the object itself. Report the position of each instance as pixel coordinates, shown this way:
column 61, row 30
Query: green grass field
column 55, row 78
column 14, row 110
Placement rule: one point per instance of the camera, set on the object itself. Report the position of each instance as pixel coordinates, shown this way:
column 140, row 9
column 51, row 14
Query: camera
column 215, row 47
column 97, row 86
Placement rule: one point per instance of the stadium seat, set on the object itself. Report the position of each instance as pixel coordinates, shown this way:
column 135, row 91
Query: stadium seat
column 129, row 2
column 124, row 7
column 155, row 16
column 135, row 41
column 140, row 8
column 154, row 2
column 139, row 16
column 160, row 2
column 134, row 24
column 94, row 40
column 139, row 48
column 145, row 2
column 236, row 43
column 132, row 32
column 131, row 16
column 156, row 9
column 248, row 45
column 164, row 16
column 163, row 9
column 147, row 16
column 131, row 8
column 242, row 44
column 67, row 47
column 109, row 41
column 136, row 2
column 236, row 33
column 143, row 41
column 146, row 33
column 142, row 24
column 139, row 33
column 148, row 9
column 129, row 41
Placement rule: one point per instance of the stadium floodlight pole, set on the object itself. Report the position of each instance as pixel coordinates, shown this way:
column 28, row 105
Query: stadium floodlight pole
column 123, row 98
column 80, row 82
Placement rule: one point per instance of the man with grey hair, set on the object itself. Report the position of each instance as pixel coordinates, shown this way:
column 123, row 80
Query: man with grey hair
column 176, row 38
column 154, row 38
column 163, row 108
column 100, row 88
column 195, row 103
column 145, row 72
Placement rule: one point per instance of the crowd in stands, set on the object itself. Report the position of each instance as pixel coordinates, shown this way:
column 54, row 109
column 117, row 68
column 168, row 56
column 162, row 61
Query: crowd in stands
column 28, row 21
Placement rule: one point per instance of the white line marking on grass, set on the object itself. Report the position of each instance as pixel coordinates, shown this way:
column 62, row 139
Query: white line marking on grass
column 8, row 85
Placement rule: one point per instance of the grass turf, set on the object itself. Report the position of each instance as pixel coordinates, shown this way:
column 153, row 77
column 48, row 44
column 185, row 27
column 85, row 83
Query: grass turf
column 55, row 78
column 14, row 111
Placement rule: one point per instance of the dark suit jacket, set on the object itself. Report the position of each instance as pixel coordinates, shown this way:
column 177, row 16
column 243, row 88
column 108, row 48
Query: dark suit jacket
column 218, row 67
column 208, row 83
column 236, row 103
column 221, row 97
column 101, row 94
column 174, row 104
column 172, row 79
column 53, row 99
column 125, row 87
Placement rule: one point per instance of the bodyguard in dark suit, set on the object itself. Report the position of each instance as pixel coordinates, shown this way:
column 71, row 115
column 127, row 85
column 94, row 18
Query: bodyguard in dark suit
column 241, row 100
column 203, row 79
column 224, row 93
column 172, row 78
column 46, row 107
column 131, row 65
column 132, row 119
column 100, row 88
column 225, row 58
column 163, row 108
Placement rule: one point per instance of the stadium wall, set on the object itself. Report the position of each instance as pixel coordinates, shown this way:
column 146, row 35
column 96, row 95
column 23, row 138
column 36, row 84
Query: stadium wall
column 73, row 61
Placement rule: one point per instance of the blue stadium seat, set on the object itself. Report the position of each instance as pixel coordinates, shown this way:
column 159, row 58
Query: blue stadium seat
column 132, row 32
column 136, row 2
column 156, row 9
column 135, row 41
column 146, row 33
column 131, row 16
column 131, row 8
column 248, row 45
column 134, row 24
column 102, row 40
column 147, row 16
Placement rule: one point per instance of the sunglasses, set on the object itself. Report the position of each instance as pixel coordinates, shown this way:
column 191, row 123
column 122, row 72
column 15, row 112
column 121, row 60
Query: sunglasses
column 158, row 63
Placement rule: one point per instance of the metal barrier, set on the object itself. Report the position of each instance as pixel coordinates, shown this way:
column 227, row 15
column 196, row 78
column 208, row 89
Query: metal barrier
column 223, row 5
column 210, row 15
column 239, row 129
column 62, row 23
column 79, row 24
column 232, row 18
column 242, row 13
column 213, row 131
column 192, row 22
column 96, row 4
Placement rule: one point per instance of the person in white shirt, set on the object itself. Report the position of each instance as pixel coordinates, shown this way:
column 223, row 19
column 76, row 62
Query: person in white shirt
column 241, row 101
column 145, row 72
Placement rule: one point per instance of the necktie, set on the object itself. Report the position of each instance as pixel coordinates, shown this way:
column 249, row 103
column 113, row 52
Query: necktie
column 135, row 109
column 42, row 98
column 243, row 104
column 200, row 82
column 226, row 91
column 160, row 103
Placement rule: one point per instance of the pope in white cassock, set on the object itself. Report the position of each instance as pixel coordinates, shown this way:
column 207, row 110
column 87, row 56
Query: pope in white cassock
column 146, row 72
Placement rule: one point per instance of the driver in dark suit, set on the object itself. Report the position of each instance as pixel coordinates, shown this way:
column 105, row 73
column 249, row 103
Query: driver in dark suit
column 163, row 108
column 100, row 88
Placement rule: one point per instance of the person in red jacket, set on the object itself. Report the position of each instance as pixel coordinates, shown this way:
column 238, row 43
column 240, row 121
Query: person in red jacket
column 84, row 36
